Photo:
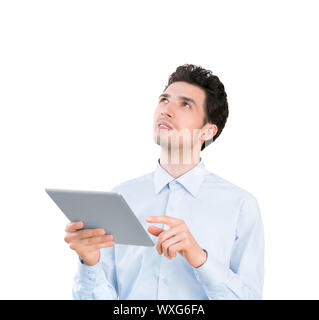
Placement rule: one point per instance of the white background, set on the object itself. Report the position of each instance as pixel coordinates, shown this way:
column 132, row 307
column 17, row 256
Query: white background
column 79, row 81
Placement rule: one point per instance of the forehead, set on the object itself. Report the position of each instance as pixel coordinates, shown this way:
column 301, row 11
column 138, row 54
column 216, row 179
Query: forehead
column 181, row 88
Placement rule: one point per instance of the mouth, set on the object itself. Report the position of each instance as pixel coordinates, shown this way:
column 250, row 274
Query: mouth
column 162, row 125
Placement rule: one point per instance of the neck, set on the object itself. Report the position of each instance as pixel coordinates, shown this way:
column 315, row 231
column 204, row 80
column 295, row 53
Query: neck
column 175, row 164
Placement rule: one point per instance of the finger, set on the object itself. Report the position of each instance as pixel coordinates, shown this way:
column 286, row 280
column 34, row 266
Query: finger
column 86, row 249
column 105, row 245
column 166, row 235
column 73, row 226
column 166, row 244
column 76, row 243
column 155, row 230
column 164, row 219
column 173, row 249
column 96, row 240
column 81, row 234
column 99, row 246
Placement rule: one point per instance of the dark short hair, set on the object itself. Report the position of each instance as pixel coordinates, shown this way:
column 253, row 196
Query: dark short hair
column 215, row 104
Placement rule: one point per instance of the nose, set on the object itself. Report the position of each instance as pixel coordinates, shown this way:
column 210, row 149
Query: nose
column 167, row 110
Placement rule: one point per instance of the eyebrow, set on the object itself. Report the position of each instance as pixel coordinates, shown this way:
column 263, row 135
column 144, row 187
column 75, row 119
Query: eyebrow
column 166, row 95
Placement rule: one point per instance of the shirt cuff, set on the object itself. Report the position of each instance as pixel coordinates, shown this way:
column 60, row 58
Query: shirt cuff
column 211, row 272
column 88, row 274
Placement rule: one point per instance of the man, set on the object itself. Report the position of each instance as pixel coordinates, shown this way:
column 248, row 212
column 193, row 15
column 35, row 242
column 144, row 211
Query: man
column 209, row 234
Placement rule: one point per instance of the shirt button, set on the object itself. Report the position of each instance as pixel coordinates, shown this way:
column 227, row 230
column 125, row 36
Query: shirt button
column 163, row 278
column 173, row 185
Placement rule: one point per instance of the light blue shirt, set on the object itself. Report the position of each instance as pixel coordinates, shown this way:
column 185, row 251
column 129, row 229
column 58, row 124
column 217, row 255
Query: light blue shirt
column 223, row 218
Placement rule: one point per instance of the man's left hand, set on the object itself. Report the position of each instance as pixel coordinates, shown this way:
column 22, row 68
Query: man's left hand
column 177, row 239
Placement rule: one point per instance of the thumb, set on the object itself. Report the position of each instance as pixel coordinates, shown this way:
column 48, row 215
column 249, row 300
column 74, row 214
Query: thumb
column 155, row 230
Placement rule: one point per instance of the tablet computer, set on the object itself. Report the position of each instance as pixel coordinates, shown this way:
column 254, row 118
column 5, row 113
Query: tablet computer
column 101, row 209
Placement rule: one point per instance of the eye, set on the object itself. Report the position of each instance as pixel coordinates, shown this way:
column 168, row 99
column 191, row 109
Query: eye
column 163, row 99
column 187, row 104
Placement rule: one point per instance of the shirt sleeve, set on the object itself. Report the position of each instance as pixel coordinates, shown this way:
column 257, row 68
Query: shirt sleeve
column 244, row 276
column 97, row 282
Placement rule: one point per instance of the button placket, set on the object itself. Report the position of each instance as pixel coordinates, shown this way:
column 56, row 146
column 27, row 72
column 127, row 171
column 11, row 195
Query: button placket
column 170, row 208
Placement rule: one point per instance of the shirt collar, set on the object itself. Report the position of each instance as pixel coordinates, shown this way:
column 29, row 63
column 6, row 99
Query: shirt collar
column 191, row 180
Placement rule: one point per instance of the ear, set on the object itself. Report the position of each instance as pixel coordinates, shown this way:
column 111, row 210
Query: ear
column 209, row 132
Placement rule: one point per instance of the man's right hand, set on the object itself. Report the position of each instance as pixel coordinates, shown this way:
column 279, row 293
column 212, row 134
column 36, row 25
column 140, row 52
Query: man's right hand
column 87, row 243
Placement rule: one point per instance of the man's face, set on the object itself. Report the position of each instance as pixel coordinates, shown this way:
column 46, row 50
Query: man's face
column 180, row 106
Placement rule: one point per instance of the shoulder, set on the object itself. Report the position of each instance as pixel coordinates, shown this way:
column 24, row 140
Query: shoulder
column 241, row 200
column 138, row 182
column 224, row 186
